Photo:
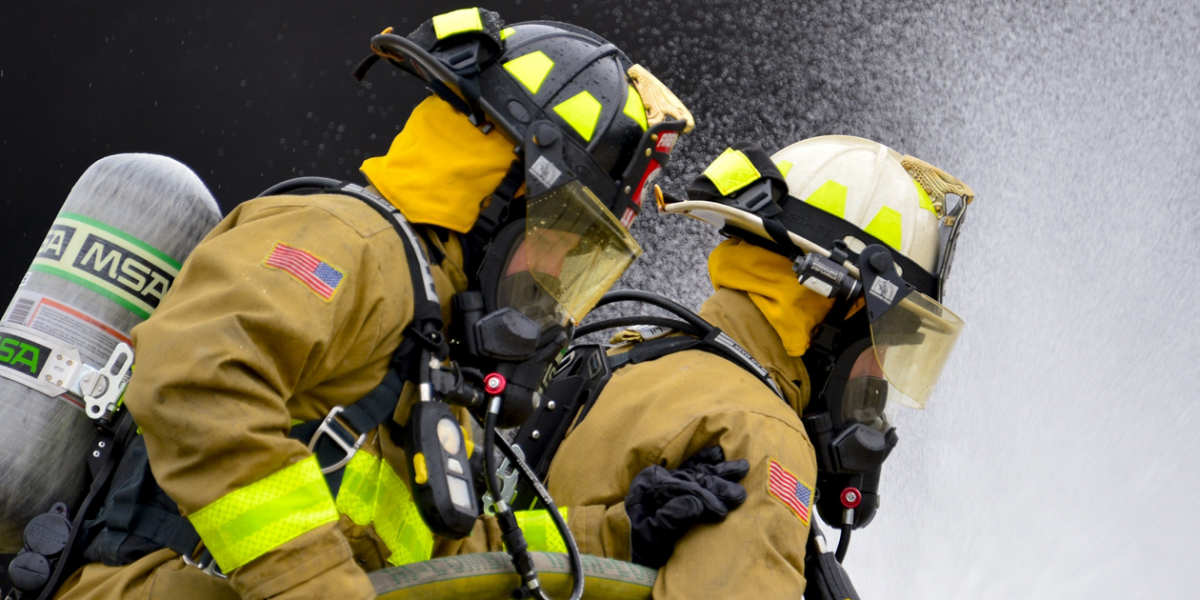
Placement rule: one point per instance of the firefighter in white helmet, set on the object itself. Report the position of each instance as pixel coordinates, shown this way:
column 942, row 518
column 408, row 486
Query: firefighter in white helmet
column 831, row 281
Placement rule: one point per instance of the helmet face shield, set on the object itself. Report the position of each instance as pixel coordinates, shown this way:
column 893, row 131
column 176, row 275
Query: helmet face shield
column 912, row 342
column 574, row 248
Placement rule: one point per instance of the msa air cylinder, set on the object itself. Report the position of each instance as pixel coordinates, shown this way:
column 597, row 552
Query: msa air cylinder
column 109, row 258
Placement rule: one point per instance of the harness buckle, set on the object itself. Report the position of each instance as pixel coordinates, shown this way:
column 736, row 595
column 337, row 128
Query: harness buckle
column 327, row 427
column 206, row 563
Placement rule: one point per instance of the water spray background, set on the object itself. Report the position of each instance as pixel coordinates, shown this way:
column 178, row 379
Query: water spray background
column 1071, row 397
column 1069, row 400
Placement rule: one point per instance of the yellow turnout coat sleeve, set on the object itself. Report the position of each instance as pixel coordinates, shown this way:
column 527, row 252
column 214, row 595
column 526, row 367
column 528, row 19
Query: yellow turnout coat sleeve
column 243, row 345
column 664, row 411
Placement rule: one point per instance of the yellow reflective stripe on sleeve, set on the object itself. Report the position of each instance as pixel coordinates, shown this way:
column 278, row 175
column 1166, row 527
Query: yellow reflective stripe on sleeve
column 360, row 488
column 581, row 111
column 634, row 108
column 831, row 198
column 247, row 523
column 731, row 172
column 371, row 493
column 398, row 523
column 459, row 21
column 540, row 532
column 886, row 227
column 531, row 70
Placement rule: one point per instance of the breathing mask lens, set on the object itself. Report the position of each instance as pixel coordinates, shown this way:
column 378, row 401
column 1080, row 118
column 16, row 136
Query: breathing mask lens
column 865, row 397
column 574, row 248
column 519, row 289
column 912, row 342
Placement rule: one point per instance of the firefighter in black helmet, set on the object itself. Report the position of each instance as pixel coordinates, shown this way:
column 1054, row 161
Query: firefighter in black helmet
column 297, row 305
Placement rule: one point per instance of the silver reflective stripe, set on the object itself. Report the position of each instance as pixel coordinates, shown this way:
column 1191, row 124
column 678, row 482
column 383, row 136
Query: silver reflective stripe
column 747, row 360
column 426, row 270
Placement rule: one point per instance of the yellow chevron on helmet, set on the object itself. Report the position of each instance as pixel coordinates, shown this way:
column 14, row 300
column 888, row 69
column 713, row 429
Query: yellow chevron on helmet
column 864, row 183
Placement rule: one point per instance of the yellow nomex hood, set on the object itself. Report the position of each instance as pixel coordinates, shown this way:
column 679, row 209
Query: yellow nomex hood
column 441, row 169
column 792, row 309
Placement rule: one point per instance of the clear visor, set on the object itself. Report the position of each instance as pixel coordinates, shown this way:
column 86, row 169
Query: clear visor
column 865, row 399
column 574, row 248
column 912, row 342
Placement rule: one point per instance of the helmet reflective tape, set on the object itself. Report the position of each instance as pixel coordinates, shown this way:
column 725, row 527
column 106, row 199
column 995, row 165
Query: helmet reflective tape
column 924, row 196
column 731, row 171
column 830, row 197
column 785, row 167
column 886, row 227
column 459, row 21
column 507, row 31
column 582, row 112
column 531, row 70
column 634, row 109
column 251, row 521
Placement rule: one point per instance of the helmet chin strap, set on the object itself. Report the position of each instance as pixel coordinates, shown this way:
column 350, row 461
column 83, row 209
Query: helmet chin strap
column 497, row 212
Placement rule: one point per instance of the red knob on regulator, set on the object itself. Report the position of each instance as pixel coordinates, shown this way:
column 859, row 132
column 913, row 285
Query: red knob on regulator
column 851, row 497
column 494, row 383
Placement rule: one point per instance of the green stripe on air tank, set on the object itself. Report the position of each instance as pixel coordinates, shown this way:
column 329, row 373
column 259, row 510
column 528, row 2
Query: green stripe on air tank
column 125, row 236
column 107, row 261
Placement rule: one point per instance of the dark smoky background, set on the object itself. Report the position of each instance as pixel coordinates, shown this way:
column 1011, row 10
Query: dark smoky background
column 251, row 93
column 1058, row 456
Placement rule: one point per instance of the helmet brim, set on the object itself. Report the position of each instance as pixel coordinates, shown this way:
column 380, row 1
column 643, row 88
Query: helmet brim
column 720, row 216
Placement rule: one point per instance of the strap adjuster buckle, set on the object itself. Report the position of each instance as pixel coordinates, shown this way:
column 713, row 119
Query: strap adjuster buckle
column 207, row 564
column 327, row 427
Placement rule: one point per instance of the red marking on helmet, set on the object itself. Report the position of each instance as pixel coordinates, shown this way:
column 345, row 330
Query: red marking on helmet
column 627, row 218
column 666, row 142
column 652, row 168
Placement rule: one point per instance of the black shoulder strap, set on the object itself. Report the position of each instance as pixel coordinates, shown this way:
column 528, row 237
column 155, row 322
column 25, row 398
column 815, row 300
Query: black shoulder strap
column 328, row 438
column 581, row 377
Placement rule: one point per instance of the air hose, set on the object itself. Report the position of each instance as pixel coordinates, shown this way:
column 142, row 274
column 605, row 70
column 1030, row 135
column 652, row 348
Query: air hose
column 514, row 539
column 668, row 305
column 590, row 328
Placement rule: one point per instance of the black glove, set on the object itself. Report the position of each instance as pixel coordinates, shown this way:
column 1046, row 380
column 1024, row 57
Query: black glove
column 663, row 505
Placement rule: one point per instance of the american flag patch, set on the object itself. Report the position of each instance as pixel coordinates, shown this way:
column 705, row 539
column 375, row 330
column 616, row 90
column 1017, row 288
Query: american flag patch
column 320, row 277
column 789, row 490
